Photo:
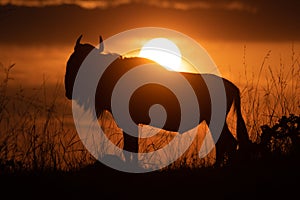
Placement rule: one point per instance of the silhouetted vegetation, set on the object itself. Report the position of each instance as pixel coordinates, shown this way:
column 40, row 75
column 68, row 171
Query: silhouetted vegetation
column 283, row 138
column 37, row 133
column 37, row 138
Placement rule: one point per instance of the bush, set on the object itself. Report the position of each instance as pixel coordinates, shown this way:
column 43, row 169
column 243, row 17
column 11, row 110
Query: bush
column 283, row 137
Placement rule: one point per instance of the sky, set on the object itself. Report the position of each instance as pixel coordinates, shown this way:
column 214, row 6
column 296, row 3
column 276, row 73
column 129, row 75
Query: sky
column 60, row 21
column 39, row 35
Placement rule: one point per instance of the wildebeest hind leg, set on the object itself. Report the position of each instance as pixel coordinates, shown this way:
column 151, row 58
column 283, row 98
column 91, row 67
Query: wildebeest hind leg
column 225, row 146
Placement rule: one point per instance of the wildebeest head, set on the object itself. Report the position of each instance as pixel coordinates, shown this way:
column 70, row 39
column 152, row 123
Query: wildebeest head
column 75, row 61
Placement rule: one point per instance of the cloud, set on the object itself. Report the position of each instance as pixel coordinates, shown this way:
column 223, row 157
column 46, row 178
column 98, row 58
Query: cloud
column 83, row 3
column 175, row 4
column 204, row 4
column 218, row 19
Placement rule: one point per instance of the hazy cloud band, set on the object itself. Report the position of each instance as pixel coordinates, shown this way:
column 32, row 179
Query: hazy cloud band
column 179, row 4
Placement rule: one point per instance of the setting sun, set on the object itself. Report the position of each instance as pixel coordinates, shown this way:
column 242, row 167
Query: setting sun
column 164, row 52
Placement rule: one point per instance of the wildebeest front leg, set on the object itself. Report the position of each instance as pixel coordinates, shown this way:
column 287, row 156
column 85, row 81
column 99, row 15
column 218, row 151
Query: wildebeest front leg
column 131, row 146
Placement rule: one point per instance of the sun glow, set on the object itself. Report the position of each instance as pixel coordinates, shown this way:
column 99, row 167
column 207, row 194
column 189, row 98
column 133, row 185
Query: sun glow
column 164, row 52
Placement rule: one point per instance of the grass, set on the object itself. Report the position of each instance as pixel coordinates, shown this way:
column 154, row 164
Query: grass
column 271, row 93
column 37, row 132
column 40, row 151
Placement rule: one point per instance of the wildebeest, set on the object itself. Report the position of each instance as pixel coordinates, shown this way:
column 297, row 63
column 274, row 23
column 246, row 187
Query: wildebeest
column 151, row 94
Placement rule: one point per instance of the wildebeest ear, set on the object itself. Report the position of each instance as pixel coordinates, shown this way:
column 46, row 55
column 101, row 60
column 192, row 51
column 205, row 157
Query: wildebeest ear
column 78, row 41
column 101, row 45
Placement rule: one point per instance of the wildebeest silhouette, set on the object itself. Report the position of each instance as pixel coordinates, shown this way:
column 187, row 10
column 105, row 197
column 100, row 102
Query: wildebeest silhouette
column 151, row 94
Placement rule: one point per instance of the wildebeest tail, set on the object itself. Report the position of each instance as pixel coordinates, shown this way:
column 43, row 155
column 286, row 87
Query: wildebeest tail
column 242, row 133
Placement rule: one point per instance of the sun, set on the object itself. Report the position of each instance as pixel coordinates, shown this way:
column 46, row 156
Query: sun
column 164, row 52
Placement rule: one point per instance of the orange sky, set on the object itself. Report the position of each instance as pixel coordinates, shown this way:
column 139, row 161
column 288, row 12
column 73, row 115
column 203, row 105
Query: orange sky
column 41, row 34
column 49, row 61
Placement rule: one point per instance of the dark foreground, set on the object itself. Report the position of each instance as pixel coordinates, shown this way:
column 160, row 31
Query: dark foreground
column 278, row 178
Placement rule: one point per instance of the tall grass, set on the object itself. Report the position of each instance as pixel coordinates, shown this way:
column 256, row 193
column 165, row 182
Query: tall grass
column 37, row 130
column 270, row 92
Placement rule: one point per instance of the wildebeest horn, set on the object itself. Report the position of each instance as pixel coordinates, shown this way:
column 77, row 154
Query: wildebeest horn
column 101, row 47
column 78, row 41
